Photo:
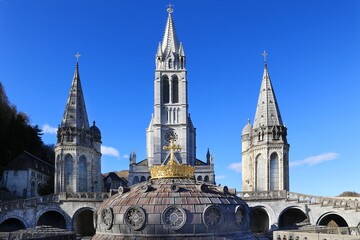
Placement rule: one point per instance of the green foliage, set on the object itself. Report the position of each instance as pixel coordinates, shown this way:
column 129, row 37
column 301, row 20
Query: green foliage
column 349, row 194
column 17, row 135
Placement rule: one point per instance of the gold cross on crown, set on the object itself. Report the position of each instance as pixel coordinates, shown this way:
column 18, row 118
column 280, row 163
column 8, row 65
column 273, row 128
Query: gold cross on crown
column 172, row 147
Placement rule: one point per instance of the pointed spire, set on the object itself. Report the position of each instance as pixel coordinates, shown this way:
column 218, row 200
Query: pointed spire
column 267, row 111
column 170, row 42
column 75, row 111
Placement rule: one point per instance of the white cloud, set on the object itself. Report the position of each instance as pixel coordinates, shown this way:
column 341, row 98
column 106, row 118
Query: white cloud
column 314, row 160
column 125, row 156
column 220, row 177
column 236, row 167
column 110, row 151
column 47, row 129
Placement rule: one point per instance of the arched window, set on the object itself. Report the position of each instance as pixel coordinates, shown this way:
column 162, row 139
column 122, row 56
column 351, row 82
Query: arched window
column 260, row 174
column 68, row 172
column 82, row 174
column 274, row 171
column 166, row 96
column 182, row 62
column 136, row 179
column 199, row 178
column 32, row 190
column 175, row 90
column 206, row 178
column 142, row 179
column 170, row 63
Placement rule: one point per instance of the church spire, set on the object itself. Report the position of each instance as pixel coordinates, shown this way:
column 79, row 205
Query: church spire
column 170, row 42
column 267, row 111
column 75, row 111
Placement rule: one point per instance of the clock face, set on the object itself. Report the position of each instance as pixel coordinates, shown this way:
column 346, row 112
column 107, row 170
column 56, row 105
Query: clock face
column 170, row 134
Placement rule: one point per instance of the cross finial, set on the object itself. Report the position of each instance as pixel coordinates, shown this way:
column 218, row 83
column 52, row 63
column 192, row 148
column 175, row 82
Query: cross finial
column 264, row 54
column 77, row 55
column 170, row 8
column 172, row 147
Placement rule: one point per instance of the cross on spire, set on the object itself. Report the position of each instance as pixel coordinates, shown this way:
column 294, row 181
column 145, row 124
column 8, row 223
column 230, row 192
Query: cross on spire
column 172, row 147
column 170, row 8
column 77, row 55
column 264, row 54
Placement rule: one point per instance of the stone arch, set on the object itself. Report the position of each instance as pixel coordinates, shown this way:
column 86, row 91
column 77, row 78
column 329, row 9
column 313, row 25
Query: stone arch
column 52, row 217
column 12, row 223
column 142, row 179
column 136, row 180
column 332, row 219
column 83, row 223
column 292, row 217
column 274, row 171
column 260, row 220
column 206, row 178
column 199, row 178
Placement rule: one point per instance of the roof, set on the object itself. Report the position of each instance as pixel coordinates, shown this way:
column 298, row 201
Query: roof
column 75, row 114
column 26, row 160
column 267, row 111
column 120, row 174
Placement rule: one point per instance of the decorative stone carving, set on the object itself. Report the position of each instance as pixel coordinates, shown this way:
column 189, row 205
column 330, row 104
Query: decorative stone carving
column 239, row 215
column 135, row 217
column 107, row 217
column 212, row 216
column 174, row 217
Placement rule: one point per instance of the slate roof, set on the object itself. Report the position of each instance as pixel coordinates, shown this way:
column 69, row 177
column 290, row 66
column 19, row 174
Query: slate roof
column 26, row 160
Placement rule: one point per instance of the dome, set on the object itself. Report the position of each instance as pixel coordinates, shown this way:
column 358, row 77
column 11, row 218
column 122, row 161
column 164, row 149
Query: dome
column 95, row 131
column 247, row 129
column 180, row 208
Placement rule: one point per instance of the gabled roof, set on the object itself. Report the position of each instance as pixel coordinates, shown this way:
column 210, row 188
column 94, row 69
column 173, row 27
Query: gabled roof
column 26, row 161
column 75, row 114
column 267, row 111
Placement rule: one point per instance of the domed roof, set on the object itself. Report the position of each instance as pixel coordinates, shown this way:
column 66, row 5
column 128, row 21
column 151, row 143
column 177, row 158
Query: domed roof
column 95, row 131
column 180, row 208
column 247, row 129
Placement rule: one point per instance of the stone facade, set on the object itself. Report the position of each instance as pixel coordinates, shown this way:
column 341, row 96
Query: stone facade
column 265, row 151
column 78, row 148
column 171, row 118
column 25, row 174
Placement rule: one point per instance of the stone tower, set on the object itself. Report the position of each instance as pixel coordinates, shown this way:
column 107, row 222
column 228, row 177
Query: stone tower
column 78, row 148
column 171, row 119
column 265, row 151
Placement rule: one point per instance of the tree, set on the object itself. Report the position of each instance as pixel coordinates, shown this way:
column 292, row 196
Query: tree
column 48, row 188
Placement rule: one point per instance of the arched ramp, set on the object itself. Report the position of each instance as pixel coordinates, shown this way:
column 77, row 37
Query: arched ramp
column 12, row 224
column 292, row 218
column 259, row 220
column 332, row 220
column 52, row 218
column 83, row 222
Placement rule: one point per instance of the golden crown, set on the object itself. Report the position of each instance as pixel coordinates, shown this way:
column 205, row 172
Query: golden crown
column 172, row 169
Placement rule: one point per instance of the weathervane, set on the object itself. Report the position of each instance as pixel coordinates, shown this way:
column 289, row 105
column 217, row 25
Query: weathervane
column 264, row 54
column 170, row 8
column 77, row 55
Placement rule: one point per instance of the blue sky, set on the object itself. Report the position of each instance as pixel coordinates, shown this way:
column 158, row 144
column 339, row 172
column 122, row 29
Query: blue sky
column 314, row 58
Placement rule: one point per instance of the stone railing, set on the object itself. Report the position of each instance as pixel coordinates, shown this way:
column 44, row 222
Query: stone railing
column 84, row 196
column 335, row 202
column 26, row 203
column 345, row 233
column 265, row 195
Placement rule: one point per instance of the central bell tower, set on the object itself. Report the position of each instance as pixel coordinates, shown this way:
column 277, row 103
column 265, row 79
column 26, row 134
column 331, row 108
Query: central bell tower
column 171, row 118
